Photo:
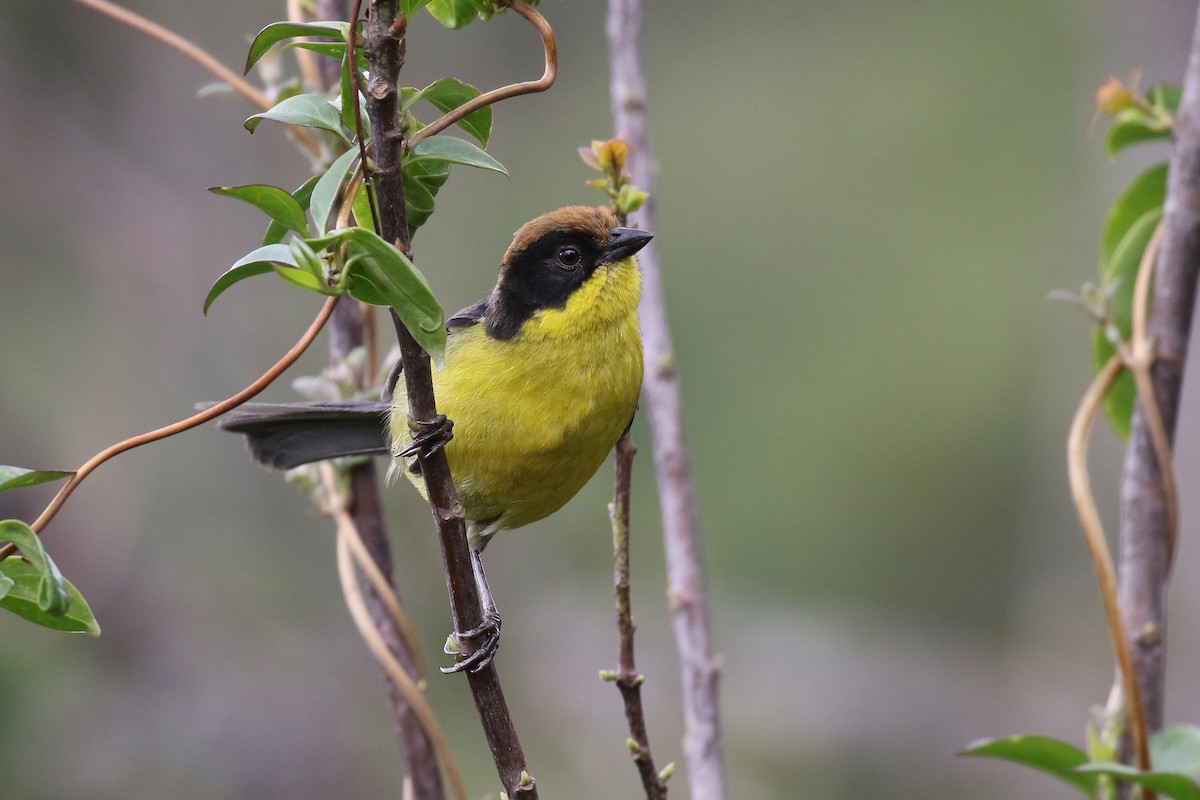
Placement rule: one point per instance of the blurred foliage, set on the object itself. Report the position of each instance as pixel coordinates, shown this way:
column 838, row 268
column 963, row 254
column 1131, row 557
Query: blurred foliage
column 862, row 207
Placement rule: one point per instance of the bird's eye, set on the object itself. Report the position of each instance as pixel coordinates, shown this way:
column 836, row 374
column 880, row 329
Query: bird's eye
column 568, row 257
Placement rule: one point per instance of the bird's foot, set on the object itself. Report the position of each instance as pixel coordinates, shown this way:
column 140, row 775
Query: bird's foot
column 482, row 642
column 429, row 435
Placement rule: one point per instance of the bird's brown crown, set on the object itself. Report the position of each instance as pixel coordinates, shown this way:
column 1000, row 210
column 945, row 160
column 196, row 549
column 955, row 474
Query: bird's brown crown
column 586, row 221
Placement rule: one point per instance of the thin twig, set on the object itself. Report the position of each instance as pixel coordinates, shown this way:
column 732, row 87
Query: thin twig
column 1139, row 357
column 543, row 83
column 629, row 681
column 178, row 427
column 1093, row 534
column 413, row 695
column 201, row 57
column 307, row 59
column 681, row 526
column 1145, row 539
column 385, row 52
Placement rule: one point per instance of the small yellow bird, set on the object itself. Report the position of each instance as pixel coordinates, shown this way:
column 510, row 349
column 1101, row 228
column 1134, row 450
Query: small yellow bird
column 540, row 379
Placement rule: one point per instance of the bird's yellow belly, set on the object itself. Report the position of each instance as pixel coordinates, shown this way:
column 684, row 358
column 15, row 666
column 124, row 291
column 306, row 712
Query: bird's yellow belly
column 536, row 415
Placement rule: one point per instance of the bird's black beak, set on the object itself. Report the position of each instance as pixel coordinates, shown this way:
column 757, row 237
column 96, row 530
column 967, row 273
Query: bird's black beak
column 624, row 242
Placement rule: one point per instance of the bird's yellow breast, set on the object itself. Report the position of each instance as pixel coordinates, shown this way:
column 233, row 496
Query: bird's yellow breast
column 535, row 415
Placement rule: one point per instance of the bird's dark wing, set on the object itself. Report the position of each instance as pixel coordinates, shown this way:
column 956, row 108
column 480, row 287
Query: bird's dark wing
column 286, row 435
column 470, row 315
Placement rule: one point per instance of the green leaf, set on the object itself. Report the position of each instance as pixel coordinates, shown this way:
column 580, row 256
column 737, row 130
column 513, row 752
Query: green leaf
column 328, row 186
column 307, row 260
column 1052, row 756
column 421, row 183
column 1169, row 784
column 1122, row 269
column 307, row 110
column 22, row 598
column 1147, row 191
column 448, row 94
column 453, row 14
column 455, row 151
column 410, row 7
column 19, row 478
column 278, row 31
column 362, row 206
column 1165, row 96
column 52, row 596
column 275, row 231
column 275, row 202
column 1134, row 125
column 257, row 262
column 382, row 275
column 1176, row 749
column 303, row 279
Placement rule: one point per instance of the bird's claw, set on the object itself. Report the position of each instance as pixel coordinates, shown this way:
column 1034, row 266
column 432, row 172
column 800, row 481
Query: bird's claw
column 488, row 632
column 429, row 435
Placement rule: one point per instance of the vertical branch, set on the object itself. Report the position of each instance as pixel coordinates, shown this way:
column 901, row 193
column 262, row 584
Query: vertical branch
column 385, row 51
column 348, row 330
column 628, row 681
column 681, row 530
column 1145, row 518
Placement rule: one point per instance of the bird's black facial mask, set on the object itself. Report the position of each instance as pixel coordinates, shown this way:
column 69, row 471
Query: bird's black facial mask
column 543, row 275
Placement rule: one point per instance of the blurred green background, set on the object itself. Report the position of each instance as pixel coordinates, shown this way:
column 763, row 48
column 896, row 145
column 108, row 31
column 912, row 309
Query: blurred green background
column 863, row 206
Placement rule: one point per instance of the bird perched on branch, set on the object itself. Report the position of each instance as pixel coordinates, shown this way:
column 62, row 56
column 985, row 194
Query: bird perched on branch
column 540, row 379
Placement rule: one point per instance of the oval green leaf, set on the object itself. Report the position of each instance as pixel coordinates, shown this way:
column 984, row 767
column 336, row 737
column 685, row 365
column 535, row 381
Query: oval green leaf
column 278, row 31
column 22, row 599
column 453, row 14
column 1168, row 784
column 452, row 150
column 1133, row 126
column 275, row 231
column 256, row 262
column 51, row 591
column 1052, row 756
column 1147, row 191
column 448, row 94
column 381, row 275
column 306, row 110
column 328, row 186
column 1122, row 269
column 19, row 477
column 1176, row 749
column 277, row 204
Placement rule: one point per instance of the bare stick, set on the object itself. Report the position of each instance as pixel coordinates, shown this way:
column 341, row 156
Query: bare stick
column 1145, row 516
column 681, row 528
column 513, row 89
column 1093, row 534
column 385, row 51
column 627, row 678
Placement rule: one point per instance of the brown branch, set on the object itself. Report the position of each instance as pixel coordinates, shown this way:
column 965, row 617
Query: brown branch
column 1145, row 517
column 362, row 509
column 385, row 52
column 1106, row 574
column 627, row 678
column 549, row 45
column 681, row 528
column 352, row 549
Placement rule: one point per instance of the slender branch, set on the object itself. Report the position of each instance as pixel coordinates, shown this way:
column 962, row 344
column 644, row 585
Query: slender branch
column 1093, row 534
column 681, row 527
column 362, row 504
column 504, row 92
column 1145, row 517
column 201, row 57
column 185, row 424
column 383, row 653
column 385, row 52
column 627, row 678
